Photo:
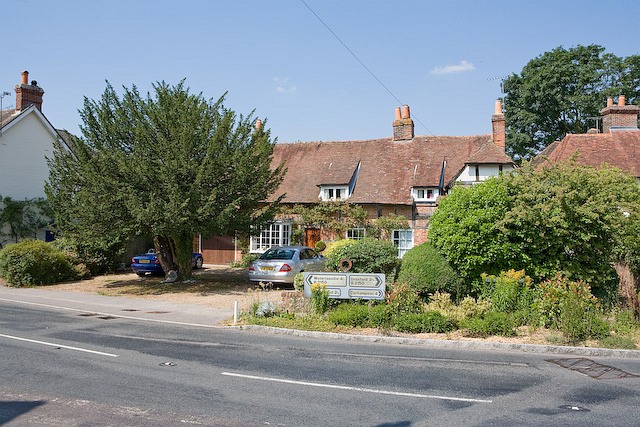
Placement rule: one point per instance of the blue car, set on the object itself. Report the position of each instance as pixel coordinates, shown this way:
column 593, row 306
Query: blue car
column 149, row 263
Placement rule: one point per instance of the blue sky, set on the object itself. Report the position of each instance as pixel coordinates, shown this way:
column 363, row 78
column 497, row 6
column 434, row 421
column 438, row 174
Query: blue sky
column 444, row 59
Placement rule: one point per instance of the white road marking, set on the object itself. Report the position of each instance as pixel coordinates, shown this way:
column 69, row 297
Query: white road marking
column 172, row 322
column 364, row 390
column 58, row 345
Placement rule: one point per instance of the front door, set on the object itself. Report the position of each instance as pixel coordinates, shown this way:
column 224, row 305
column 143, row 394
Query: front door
column 311, row 237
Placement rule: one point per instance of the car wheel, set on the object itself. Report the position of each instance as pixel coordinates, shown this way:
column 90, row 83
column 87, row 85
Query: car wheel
column 140, row 274
column 199, row 262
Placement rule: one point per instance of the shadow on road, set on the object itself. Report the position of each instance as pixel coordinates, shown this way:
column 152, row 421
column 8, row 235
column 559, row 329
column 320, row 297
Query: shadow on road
column 13, row 409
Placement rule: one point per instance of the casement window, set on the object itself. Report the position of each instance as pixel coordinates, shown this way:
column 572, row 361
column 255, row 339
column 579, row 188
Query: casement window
column 403, row 239
column 356, row 233
column 425, row 194
column 275, row 234
column 334, row 193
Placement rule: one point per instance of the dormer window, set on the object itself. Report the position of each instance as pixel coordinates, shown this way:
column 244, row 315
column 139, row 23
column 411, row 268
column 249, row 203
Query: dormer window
column 425, row 194
column 338, row 192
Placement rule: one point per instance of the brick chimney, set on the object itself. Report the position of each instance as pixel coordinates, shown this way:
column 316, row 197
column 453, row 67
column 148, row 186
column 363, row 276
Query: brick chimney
column 403, row 124
column 498, row 134
column 619, row 117
column 27, row 94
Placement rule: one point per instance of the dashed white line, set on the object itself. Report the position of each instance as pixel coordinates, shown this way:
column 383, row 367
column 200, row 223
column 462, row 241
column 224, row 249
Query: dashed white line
column 58, row 345
column 360, row 389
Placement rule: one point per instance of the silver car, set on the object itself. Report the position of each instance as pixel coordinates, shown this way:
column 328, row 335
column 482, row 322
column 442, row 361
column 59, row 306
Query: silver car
column 280, row 264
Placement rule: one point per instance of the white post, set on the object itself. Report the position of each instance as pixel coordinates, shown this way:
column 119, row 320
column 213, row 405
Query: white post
column 235, row 312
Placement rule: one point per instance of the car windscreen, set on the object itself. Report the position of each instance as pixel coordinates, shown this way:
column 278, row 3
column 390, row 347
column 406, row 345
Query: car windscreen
column 278, row 254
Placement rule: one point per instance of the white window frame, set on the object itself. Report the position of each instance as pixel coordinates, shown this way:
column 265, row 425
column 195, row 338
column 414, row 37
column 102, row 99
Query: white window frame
column 274, row 234
column 403, row 240
column 421, row 194
column 331, row 192
column 356, row 233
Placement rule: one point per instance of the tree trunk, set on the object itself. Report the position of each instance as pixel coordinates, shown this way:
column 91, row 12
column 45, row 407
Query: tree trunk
column 165, row 251
column 183, row 254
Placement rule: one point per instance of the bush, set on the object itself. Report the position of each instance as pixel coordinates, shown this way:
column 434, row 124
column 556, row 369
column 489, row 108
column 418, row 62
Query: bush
column 320, row 246
column 570, row 307
column 369, row 256
column 465, row 309
column 401, row 299
column 335, row 251
column 96, row 258
column 426, row 271
column 246, row 260
column 427, row 322
column 358, row 315
column 319, row 298
column 34, row 262
column 509, row 292
column 492, row 323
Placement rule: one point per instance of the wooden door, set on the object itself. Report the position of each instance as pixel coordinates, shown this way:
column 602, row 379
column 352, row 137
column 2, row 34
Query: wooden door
column 311, row 237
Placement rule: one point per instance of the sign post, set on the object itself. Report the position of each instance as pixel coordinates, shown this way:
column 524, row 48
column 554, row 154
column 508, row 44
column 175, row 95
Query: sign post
column 347, row 285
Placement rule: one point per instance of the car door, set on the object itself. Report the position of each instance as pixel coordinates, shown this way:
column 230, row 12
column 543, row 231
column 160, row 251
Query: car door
column 316, row 261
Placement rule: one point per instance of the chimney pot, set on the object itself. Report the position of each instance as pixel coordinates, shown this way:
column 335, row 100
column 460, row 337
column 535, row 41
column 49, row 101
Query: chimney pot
column 498, row 109
column 405, row 112
column 610, row 101
column 621, row 100
column 25, row 77
column 398, row 116
column 258, row 124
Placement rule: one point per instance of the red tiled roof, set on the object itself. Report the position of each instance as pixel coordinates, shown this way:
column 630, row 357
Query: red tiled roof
column 388, row 169
column 620, row 149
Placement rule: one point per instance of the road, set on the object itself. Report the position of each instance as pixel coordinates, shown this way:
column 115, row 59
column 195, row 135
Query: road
column 68, row 368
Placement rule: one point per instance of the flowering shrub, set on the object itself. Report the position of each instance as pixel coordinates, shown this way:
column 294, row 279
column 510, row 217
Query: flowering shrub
column 570, row 307
column 402, row 299
column 319, row 298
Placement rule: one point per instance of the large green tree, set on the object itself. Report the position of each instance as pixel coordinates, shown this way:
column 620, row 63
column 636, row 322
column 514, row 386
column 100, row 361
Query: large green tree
column 562, row 92
column 170, row 164
column 561, row 218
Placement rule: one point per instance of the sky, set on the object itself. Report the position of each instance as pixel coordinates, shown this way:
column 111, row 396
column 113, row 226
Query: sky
column 316, row 70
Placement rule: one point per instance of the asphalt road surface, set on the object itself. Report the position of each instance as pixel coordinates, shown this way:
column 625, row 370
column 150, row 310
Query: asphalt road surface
column 72, row 368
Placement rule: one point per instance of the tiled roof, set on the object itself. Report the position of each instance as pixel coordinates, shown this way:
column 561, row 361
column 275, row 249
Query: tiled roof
column 388, row 169
column 7, row 116
column 620, row 149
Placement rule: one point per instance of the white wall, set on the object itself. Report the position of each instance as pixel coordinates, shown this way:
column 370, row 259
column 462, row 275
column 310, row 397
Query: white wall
column 23, row 166
column 486, row 171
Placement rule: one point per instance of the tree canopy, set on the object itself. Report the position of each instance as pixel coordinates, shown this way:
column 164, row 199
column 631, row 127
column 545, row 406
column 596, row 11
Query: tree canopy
column 170, row 165
column 561, row 218
column 563, row 91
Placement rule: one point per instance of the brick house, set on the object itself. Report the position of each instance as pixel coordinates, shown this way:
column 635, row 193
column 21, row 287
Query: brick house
column 404, row 174
column 618, row 145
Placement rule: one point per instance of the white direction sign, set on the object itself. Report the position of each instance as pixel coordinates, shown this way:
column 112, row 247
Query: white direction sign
column 347, row 285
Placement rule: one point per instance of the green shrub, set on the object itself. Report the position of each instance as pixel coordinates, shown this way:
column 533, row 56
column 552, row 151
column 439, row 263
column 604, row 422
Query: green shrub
column 319, row 298
column 427, row 322
column 373, row 256
column 335, row 251
column 401, row 299
column 492, row 323
column 34, row 262
column 358, row 315
column 320, row 246
column 465, row 309
column 509, row 292
column 298, row 282
column 97, row 257
column 570, row 307
column 246, row 260
column 426, row 271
